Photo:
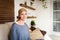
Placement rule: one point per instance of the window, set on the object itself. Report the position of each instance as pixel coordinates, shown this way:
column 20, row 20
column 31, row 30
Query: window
column 6, row 11
column 56, row 16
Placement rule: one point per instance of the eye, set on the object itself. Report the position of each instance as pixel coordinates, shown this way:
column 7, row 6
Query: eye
column 22, row 14
column 25, row 13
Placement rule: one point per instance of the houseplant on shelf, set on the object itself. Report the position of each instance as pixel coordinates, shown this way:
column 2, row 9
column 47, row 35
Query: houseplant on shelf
column 44, row 2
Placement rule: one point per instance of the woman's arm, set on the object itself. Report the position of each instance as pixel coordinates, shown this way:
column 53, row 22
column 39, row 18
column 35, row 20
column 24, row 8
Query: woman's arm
column 14, row 35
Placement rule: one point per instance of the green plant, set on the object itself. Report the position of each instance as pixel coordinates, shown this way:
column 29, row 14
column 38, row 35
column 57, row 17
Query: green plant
column 31, row 3
column 32, row 23
column 44, row 2
column 33, row 0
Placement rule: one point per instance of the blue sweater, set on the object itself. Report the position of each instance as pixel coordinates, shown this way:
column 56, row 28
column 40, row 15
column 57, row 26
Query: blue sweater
column 20, row 32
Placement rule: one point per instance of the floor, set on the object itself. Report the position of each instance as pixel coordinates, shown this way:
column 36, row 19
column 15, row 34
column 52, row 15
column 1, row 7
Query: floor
column 55, row 37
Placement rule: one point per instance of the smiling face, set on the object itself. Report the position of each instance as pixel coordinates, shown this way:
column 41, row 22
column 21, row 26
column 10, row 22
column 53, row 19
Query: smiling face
column 22, row 14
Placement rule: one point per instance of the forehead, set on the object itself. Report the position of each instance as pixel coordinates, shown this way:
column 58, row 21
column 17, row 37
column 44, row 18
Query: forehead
column 22, row 9
column 23, row 12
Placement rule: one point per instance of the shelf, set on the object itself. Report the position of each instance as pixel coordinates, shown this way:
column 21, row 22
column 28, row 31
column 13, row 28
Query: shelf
column 31, row 17
column 26, row 6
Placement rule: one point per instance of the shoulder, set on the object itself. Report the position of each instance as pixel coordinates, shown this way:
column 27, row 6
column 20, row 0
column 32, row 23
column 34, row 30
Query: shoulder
column 26, row 24
column 14, row 26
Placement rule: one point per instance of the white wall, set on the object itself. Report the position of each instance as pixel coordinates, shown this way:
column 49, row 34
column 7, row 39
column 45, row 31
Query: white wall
column 44, row 16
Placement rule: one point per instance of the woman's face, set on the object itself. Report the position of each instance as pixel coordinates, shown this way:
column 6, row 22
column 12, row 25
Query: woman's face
column 23, row 15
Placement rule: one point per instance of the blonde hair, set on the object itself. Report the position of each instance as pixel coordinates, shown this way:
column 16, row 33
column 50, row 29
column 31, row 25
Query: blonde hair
column 20, row 11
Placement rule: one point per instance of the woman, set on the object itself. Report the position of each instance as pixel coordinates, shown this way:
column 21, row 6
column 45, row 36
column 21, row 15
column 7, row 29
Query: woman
column 20, row 30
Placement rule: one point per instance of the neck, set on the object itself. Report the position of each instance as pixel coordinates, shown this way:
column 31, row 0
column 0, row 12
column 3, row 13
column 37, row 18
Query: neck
column 21, row 22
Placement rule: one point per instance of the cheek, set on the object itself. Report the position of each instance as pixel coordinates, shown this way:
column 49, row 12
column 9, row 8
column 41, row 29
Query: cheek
column 26, row 16
column 23, row 16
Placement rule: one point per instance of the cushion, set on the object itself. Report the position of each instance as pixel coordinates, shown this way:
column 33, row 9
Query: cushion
column 42, row 31
column 4, row 30
column 36, row 34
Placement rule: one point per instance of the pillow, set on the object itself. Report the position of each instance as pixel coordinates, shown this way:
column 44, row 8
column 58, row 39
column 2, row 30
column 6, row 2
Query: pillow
column 36, row 34
column 42, row 31
column 4, row 30
column 9, row 23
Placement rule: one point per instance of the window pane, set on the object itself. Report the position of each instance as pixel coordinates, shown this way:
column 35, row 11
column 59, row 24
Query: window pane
column 56, row 16
column 56, row 27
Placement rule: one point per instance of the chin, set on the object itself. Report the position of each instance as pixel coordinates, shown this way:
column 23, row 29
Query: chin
column 23, row 19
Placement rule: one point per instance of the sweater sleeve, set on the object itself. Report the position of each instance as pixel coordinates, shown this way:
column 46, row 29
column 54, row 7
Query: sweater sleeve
column 14, row 35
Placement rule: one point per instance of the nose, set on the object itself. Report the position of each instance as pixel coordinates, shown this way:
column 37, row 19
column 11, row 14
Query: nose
column 24, row 15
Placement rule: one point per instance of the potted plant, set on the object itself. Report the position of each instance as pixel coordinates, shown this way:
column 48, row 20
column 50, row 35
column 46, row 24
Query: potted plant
column 32, row 25
column 32, row 2
column 44, row 2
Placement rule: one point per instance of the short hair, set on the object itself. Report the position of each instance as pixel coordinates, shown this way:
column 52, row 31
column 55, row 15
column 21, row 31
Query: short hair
column 20, row 11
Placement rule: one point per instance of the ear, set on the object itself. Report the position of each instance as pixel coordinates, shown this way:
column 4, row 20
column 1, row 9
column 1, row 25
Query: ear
column 18, row 17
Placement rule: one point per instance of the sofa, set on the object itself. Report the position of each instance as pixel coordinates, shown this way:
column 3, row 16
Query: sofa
column 36, row 34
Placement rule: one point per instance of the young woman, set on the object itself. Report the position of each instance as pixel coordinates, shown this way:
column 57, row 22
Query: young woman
column 20, row 30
